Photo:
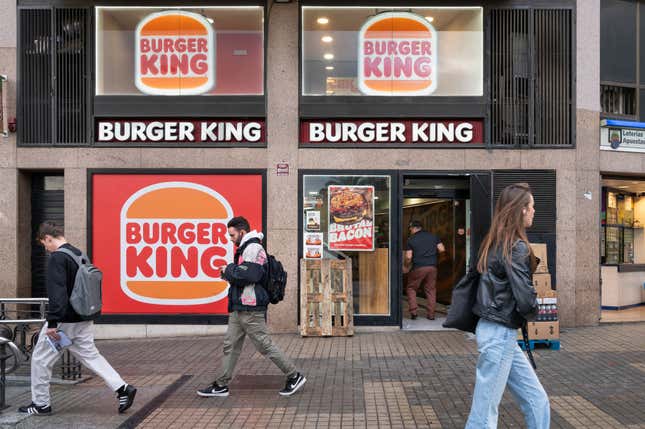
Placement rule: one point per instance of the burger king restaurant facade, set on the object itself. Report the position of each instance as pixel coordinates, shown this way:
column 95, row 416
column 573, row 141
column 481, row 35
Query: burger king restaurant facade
column 329, row 125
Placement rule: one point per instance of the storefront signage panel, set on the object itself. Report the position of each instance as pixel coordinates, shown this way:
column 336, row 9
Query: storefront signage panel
column 392, row 132
column 161, row 240
column 397, row 55
column 622, row 139
column 174, row 54
column 351, row 218
column 179, row 131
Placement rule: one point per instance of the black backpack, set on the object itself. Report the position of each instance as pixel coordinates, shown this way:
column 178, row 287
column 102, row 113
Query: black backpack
column 275, row 280
column 275, row 277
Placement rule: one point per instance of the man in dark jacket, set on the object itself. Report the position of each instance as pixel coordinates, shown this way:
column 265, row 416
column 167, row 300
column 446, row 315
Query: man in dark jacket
column 247, row 305
column 61, row 274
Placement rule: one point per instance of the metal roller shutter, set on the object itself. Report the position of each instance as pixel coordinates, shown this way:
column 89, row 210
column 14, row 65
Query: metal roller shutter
column 543, row 184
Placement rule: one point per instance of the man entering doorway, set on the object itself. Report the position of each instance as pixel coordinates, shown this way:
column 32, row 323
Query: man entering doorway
column 421, row 255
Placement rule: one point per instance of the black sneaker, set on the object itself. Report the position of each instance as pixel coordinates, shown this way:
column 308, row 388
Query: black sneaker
column 293, row 384
column 213, row 390
column 35, row 409
column 413, row 316
column 125, row 395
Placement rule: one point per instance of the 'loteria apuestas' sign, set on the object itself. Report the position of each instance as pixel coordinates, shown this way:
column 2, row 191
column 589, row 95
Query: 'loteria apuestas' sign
column 174, row 54
column 397, row 55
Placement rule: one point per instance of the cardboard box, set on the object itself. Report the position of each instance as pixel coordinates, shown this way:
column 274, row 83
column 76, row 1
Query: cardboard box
column 539, row 250
column 550, row 294
column 542, row 331
column 542, row 284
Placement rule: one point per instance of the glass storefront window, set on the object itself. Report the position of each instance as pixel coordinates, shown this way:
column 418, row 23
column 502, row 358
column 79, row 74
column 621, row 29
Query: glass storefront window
column 180, row 50
column 622, row 228
column 436, row 51
column 349, row 217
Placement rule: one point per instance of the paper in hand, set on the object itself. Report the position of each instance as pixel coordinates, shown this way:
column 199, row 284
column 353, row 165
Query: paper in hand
column 61, row 343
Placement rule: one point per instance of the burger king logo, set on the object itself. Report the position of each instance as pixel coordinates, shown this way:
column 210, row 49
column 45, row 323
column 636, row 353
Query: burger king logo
column 175, row 54
column 174, row 244
column 397, row 55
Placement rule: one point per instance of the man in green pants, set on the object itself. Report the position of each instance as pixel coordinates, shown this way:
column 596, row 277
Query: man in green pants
column 247, row 305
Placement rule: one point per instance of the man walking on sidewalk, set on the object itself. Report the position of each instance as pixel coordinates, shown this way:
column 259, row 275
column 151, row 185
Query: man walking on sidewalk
column 247, row 305
column 61, row 275
column 421, row 254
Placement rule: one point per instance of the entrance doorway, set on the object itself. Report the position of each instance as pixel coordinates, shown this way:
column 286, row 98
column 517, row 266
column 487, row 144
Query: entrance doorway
column 443, row 205
column 47, row 203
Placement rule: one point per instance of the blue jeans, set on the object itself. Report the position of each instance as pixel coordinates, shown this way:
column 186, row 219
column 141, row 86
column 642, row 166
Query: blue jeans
column 501, row 362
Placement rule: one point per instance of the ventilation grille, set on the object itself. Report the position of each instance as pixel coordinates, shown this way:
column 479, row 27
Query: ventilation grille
column 35, row 126
column 543, row 185
column 531, row 77
column 54, row 76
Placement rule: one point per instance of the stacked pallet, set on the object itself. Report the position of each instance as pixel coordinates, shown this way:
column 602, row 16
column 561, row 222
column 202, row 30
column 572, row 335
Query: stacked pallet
column 546, row 327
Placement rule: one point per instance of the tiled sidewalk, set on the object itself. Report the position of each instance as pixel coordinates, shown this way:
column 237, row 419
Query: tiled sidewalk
column 393, row 379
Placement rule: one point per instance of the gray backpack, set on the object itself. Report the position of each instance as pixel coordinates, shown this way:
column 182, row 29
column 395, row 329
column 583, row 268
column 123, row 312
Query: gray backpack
column 86, row 294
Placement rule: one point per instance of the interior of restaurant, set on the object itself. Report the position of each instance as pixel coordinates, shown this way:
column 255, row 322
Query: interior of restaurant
column 443, row 207
column 622, row 249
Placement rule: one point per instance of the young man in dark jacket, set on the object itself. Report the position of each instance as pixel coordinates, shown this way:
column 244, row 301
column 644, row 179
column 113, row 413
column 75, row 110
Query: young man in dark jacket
column 247, row 305
column 61, row 273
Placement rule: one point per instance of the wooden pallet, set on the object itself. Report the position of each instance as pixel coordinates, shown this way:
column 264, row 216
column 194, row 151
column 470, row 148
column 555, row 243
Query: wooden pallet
column 326, row 303
column 550, row 344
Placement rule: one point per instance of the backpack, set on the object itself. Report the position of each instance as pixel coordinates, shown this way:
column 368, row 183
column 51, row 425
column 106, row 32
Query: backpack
column 275, row 280
column 86, row 293
column 275, row 277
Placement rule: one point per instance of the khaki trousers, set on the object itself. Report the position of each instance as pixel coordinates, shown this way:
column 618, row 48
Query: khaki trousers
column 251, row 323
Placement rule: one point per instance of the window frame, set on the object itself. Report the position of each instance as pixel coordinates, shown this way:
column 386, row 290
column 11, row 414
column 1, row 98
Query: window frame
column 448, row 107
column 356, row 106
column 392, row 319
column 610, row 115
column 149, row 106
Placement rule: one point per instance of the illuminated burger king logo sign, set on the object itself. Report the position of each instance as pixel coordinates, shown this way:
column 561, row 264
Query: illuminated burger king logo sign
column 397, row 55
column 175, row 54
column 174, row 244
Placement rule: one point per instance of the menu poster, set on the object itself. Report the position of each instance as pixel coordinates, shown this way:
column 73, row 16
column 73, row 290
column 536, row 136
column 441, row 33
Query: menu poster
column 351, row 218
column 313, row 245
column 313, row 221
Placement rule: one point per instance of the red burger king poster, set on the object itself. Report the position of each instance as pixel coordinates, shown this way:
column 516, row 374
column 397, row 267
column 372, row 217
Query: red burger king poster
column 161, row 239
column 351, row 218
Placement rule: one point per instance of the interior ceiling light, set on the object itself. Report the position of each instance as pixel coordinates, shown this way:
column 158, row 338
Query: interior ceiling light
column 327, row 39
column 328, row 56
column 329, row 68
column 322, row 20
column 429, row 18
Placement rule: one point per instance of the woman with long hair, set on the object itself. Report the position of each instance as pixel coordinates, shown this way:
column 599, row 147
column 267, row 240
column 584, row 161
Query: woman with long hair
column 506, row 300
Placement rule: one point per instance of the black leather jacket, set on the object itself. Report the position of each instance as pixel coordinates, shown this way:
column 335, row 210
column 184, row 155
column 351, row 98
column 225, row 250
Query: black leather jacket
column 506, row 294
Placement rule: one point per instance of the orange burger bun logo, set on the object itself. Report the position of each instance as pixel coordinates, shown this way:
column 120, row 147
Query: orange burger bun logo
column 174, row 244
column 397, row 55
column 174, row 54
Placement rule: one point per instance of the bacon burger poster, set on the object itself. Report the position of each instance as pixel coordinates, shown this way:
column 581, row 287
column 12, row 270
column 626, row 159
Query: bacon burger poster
column 351, row 218
column 161, row 239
